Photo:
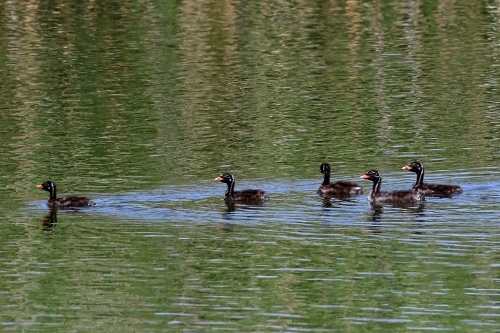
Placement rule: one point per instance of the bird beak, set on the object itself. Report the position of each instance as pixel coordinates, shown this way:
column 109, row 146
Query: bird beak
column 406, row 167
column 219, row 178
column 365, row 177
column 39, row 186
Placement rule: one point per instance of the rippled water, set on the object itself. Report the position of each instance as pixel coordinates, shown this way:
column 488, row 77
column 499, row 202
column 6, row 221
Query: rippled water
column 176, row 257
column 141, row 105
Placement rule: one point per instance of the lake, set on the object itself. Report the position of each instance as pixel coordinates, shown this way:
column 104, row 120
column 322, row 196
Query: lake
column 141, row 104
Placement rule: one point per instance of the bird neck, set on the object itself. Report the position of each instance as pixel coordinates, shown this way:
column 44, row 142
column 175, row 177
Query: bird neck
column 53, row 192
column 326, row 180
column 230, row 187
column 376, row 187
column 420, row 178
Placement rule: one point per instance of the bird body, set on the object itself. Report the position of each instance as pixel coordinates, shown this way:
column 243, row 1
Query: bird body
column 442, row 190
column 68, row 201
column 338, row 188
column 402, row 196
column 244, row 196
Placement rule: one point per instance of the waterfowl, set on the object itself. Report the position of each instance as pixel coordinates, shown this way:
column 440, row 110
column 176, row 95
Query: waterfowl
column 430, row 189
column 69, row 201
column 339, row 188
column 245, row 196
column 376, row 196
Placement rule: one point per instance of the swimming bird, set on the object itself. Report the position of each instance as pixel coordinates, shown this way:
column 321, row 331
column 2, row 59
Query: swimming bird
column 443, row 190
column 244, row 196
column 402, row 196
column 69, row 201
column 338, row 188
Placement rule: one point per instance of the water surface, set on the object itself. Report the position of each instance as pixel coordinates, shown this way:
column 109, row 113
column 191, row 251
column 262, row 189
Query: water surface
column 139, row 105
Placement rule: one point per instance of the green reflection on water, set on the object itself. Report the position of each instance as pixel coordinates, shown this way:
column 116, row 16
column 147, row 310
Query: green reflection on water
column 204, row 277
column 107, row 97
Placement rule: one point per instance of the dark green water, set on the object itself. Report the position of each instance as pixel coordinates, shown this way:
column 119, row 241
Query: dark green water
column 139, row 105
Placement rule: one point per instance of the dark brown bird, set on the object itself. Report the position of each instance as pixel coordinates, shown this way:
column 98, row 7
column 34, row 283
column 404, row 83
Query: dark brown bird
column 403, row 196
column 338, row 188
column 69, row 201
column 245, row 196
column 441, row 190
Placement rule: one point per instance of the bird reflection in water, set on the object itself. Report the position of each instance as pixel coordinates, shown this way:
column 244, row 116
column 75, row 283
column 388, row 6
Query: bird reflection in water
column 327, row 202
column 49, row 221
column 231, row 206
column 415, row 214
column 227, row 215
column 237, row 212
